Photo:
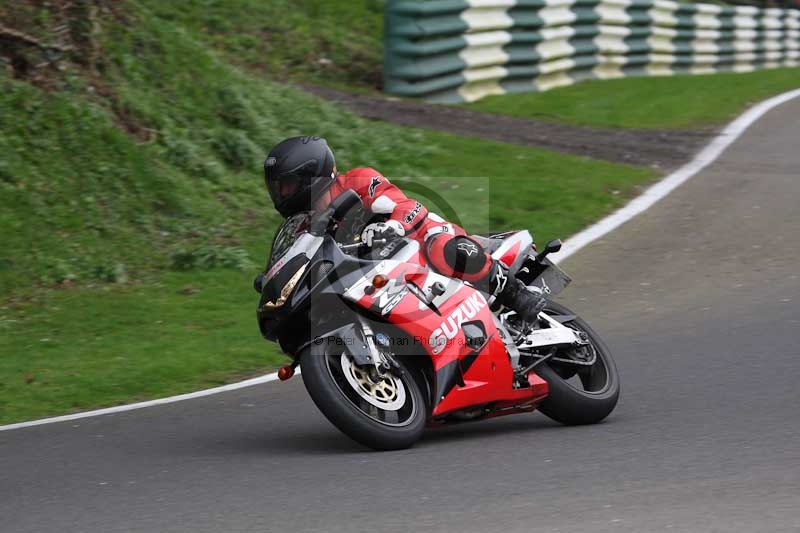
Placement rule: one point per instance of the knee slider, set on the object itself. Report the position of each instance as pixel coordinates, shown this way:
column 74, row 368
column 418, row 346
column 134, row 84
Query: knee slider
column 458, row 257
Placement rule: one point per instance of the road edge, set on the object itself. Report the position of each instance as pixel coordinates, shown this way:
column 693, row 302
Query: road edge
column 150, row 403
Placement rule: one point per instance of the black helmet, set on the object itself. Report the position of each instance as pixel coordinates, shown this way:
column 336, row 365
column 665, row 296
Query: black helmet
column 297, row 171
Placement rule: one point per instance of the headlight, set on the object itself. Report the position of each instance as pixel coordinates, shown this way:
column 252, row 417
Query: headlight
column 286, row 290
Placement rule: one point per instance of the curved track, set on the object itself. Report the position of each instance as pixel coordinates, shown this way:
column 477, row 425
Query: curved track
column 700, row 300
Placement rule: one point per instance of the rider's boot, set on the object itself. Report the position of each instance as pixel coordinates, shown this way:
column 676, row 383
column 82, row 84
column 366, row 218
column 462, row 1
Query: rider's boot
column 512, row 293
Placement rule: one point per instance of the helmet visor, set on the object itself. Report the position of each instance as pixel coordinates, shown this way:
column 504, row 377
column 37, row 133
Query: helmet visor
column 284, row 187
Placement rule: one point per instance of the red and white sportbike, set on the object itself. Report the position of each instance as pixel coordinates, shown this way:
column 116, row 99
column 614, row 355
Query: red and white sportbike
column 388, row 347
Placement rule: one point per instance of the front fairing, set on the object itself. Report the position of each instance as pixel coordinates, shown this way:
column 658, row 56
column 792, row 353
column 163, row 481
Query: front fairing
column 318, row 271
column 291, row 253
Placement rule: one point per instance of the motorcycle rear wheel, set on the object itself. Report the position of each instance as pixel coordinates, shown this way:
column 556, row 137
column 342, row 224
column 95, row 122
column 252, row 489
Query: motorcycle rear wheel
column 385, row 414
column 580, row 395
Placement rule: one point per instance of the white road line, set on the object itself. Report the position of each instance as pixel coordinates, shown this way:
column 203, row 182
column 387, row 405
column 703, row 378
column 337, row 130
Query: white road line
column 641, row 203
column 656, row 192
column 141, row 405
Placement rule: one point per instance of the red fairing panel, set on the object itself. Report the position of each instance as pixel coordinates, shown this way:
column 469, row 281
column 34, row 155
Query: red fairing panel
column 511, row 254
column 464, row 376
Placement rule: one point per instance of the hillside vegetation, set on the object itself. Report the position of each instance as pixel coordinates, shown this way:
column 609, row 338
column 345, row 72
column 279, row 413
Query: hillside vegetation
column 148, row 158
column 323, row 41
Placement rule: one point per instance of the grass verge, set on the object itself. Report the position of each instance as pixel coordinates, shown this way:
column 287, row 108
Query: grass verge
column 335, row 42
column 672, row 102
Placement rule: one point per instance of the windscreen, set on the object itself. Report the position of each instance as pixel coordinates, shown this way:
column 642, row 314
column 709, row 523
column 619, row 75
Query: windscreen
column 287, row 234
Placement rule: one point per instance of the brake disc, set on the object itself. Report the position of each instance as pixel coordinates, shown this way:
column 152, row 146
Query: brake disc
column 385, row 392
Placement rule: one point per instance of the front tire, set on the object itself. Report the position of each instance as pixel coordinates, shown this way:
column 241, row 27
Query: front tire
column 585, row 396
column 385, row 414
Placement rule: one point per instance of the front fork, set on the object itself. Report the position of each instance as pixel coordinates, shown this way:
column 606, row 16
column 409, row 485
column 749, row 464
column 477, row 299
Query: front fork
column 382, row 360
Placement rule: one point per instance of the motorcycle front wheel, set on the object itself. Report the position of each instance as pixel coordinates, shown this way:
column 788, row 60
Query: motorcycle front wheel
column 579, row 394
column 383, row 412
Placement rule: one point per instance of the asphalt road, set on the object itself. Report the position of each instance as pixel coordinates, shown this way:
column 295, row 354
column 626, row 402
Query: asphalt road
column 700, row 301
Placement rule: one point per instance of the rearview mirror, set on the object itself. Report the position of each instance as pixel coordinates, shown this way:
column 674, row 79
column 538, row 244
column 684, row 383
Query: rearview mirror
column 343, row 203
column 550, row 248
column 553, row 246
column 337, row 209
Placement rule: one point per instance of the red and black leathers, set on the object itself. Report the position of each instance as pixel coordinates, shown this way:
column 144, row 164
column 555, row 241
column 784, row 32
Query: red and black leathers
column 447, row 247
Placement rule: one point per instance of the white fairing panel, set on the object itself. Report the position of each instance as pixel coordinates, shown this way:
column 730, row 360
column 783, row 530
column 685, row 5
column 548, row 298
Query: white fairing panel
column 522, row 241
column 394, row 266
column 403, row 256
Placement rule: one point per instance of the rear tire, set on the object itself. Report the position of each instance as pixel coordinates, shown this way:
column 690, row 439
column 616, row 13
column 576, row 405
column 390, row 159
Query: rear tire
column 390, row 415
column 566, row 402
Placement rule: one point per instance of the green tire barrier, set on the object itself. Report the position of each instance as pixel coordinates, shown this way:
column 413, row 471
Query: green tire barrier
column 462, row 50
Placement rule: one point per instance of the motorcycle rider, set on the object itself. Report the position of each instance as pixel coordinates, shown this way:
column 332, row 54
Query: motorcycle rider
column 301, row 175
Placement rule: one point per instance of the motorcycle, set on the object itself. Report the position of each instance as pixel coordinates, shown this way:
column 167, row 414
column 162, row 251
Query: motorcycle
column 387, row 347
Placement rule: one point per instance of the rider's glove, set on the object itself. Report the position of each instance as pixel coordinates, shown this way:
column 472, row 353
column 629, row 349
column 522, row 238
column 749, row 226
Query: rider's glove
column 391, row 229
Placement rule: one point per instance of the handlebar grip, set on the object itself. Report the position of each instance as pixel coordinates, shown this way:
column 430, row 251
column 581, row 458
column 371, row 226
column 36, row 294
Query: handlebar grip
column 360, row 244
